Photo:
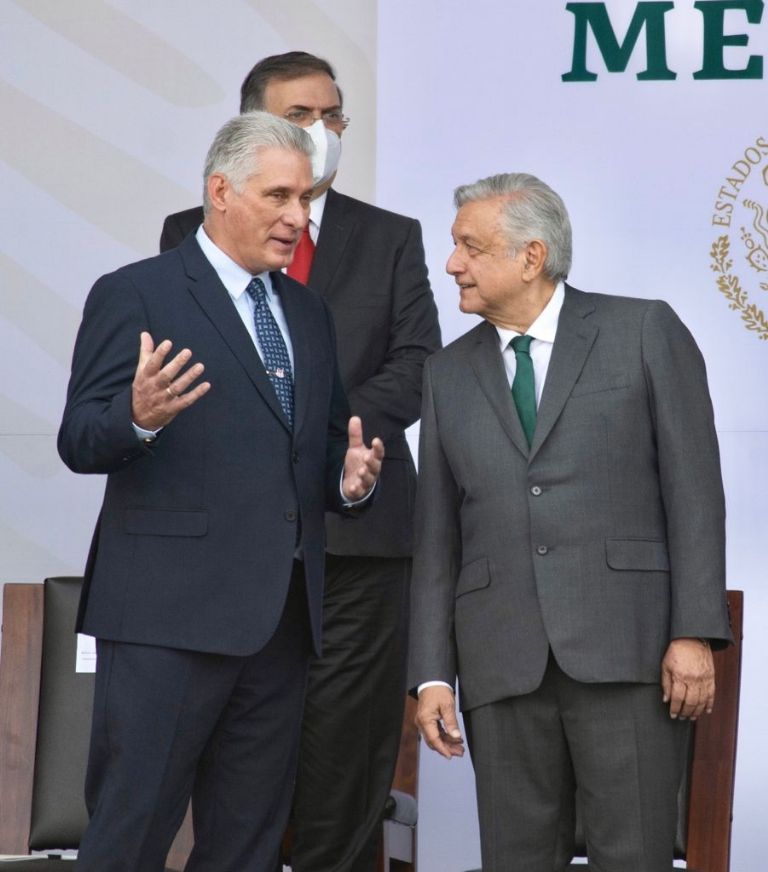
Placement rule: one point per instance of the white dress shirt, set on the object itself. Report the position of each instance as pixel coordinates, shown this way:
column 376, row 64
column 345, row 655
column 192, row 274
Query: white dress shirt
column 236, row 279
column 316, row 209
column 543, row 331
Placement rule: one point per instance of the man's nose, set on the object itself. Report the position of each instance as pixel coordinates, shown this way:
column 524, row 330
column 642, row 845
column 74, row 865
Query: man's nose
column 453, row 266
column 312, row 116
column 296, row 214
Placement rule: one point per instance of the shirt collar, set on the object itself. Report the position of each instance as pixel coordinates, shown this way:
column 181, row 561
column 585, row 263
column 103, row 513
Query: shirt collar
column 234, row 278
column 316, row 209
column 544, row 327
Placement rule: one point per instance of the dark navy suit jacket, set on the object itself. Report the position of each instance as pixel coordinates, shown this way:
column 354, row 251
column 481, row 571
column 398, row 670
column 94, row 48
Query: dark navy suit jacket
column 369, row 268
column 197, row 534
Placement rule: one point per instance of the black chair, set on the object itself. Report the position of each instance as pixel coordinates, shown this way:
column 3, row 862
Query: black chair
column 45, row 719
column 398, row 838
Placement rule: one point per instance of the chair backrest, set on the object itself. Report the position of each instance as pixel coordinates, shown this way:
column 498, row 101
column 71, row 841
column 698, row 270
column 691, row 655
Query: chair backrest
column 706, row 794
column 59, row 816
column 19, row 695
column 713, row 763
column 46, row 718
column 406, row 778
column 45, row 725
column 397, row 846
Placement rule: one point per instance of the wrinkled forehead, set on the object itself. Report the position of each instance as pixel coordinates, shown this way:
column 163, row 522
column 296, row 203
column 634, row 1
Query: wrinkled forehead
column 278, row 162
column 315, row 91
column 478, row 218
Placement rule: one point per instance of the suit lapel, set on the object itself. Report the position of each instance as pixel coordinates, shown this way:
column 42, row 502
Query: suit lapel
column 213, row 299
column 488, row 366
column 573, row 342
column 335, row 230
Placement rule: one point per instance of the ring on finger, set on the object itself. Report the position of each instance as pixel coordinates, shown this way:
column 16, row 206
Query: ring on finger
column 171, row 393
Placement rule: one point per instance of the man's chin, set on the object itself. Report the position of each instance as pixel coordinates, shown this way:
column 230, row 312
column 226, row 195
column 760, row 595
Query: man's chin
column 281, row 259
column 277, row 263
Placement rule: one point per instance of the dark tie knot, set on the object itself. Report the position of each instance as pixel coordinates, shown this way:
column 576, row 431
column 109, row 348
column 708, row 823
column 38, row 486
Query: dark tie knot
column 256, row 290
column 522, row 344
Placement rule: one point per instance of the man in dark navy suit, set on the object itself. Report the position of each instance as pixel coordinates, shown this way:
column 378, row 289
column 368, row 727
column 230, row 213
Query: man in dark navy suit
column 368, row 265
column 204, row 581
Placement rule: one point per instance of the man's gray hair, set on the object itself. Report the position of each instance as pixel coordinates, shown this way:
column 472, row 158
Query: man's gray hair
column 532, row 211
column 234, row 151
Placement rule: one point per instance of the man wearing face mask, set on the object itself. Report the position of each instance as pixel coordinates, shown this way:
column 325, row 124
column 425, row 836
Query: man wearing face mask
column 368, row 264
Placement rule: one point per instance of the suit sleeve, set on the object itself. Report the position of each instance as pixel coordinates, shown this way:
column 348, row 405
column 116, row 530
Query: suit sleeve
column 689, row 472
column 437, row 556
column 96, row 433
column 338, row 439
column 390, row 400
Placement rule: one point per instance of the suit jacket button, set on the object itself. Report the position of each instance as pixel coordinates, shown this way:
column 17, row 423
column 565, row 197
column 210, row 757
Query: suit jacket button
column 536, row 491
column 542, row 550
column 290, row 515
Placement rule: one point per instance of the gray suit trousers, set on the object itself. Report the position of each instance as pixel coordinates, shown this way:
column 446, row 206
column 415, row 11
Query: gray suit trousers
column 616, row 739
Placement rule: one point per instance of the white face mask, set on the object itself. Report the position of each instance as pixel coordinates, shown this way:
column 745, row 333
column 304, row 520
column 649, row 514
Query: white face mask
column 325, row 160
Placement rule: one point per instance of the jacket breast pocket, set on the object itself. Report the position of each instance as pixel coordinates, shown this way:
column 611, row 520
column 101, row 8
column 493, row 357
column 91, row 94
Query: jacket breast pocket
column 165, row 522
column 649, row 555
column 611, row 382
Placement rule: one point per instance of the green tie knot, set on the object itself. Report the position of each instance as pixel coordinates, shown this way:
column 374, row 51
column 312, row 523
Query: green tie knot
column 522, row 344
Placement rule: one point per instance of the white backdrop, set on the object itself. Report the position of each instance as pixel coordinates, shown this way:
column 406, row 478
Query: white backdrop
column 108, row 108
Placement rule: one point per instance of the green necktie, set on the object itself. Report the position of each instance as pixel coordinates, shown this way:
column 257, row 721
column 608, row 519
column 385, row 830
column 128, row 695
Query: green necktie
column 523, row 388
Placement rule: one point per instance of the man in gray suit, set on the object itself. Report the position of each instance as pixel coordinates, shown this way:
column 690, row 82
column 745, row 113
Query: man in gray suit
column 569, row 545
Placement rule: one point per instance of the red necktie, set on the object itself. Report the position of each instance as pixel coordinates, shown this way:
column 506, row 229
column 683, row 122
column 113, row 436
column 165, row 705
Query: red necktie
column 302, row 258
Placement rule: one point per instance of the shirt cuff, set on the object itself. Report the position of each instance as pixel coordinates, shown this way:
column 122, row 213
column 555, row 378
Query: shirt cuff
column 427, row 684
column 346, row 503
column 145, row 435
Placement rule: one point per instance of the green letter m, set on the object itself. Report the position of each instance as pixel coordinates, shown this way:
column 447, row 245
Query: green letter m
column 615, row 55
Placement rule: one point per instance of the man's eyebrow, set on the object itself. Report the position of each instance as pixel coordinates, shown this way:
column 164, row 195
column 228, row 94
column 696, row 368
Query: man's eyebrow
column 303, row 108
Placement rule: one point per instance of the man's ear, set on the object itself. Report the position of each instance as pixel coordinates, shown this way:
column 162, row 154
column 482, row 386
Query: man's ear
column 218, row 190
column 535, row 257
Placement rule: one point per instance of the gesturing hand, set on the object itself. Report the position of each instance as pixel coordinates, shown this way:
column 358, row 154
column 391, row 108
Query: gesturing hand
column 160, row 390
column 362, row 465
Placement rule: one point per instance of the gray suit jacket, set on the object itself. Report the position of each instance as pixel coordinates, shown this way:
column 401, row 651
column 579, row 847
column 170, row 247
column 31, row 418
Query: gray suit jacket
column 604, row 541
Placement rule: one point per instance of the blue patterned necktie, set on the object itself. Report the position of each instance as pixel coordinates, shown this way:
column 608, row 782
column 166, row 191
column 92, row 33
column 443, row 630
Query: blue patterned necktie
column 276, row 359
